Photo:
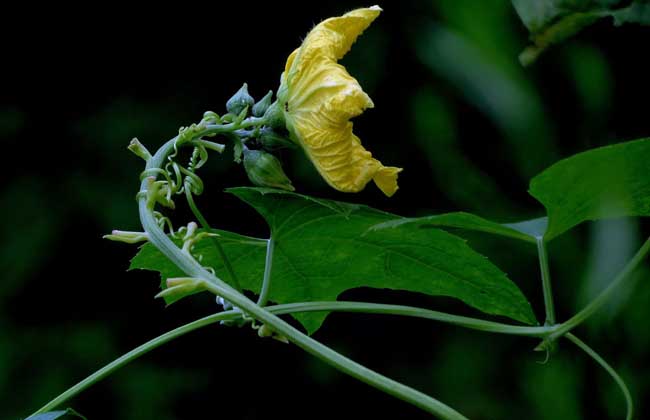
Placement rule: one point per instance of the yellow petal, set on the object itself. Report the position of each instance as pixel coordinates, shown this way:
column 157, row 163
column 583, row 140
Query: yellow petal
column 332, row 38
column 319, row 97
column 339, row 156
column 386, row 179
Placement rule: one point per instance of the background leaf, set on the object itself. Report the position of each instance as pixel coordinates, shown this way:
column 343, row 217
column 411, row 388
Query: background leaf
column 637, row 12
column 553, row 21
column 538, row 14
column 610, row 181
column 325, row 247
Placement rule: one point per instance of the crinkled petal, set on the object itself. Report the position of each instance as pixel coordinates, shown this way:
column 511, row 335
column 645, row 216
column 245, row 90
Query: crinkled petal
column 340, row 158
column 386, row 179
column 319, row 97
column 331, row 39
column 312, row 74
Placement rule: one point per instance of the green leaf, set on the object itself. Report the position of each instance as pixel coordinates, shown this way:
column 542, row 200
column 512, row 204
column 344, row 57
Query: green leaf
column 553, row 21
column 53, row 415
column 525, row 231
column 610, row 181
column 237, row 247
column 323, row 248
column 538, row 15
column 533, row 228
column 638, row 12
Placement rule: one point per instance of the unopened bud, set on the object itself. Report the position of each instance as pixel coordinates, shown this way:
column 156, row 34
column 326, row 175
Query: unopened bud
column 260, row 108
column 127, row 237
column 224, row 303
column 265, row 170
column 211, row 117
column 274, row 116
column 179, row 287
column 271, row 140
column 139, row 150
column 240, row 100
column 265, row 331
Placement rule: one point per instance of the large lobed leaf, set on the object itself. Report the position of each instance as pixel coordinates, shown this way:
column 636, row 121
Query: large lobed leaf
column 610, row 181
column 527, row 231
column 326, row 247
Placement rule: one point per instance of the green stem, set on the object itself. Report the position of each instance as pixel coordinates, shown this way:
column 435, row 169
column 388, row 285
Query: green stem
column 549, row 307
column 619, row 381
column 351, row 307
column 410, row 311
column 193, row 269
column 129, row 357
column 595, row 304
column 268, row 266
column 215, row 240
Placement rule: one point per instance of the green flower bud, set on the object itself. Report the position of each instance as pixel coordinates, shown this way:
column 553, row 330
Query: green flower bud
column 260, row 108
column 265, row 331
column 180, row 287
column 274, row 116
column 139, row 150
column 211, row 117
column 240, row 100
column 127, row 236
column 271, row 140
column 264, row 170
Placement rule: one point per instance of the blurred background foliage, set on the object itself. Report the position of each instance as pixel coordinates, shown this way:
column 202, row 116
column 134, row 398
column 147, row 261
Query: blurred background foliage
column 453, row 107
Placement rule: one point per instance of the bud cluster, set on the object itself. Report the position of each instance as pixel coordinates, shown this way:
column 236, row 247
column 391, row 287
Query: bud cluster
column 262, row 167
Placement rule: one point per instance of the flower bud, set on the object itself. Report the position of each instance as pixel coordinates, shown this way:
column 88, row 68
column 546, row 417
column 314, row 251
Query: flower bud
column 271, row 140
column 139, row 150
column 240, row 100
column 265, row 170
column 180, row 287
column 224, row 303
column 211, row 117
column 260, row 108
column 127, row 237
column 274, row 116
column 264, row 331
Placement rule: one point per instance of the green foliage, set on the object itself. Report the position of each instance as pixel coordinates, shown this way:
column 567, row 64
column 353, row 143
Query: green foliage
column 553, row 21
column 470, row 49
column 610, row 181
column 538, row 15
column 496, row 86
column 238, row 247
column 637, row 12
column 326, row 247
column 466, row 221
column 53, row 415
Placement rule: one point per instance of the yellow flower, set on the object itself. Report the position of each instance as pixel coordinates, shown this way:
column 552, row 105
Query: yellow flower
column 318, row 97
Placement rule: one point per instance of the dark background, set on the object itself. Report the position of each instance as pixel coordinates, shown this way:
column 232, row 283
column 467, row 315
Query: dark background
column 454, row 108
